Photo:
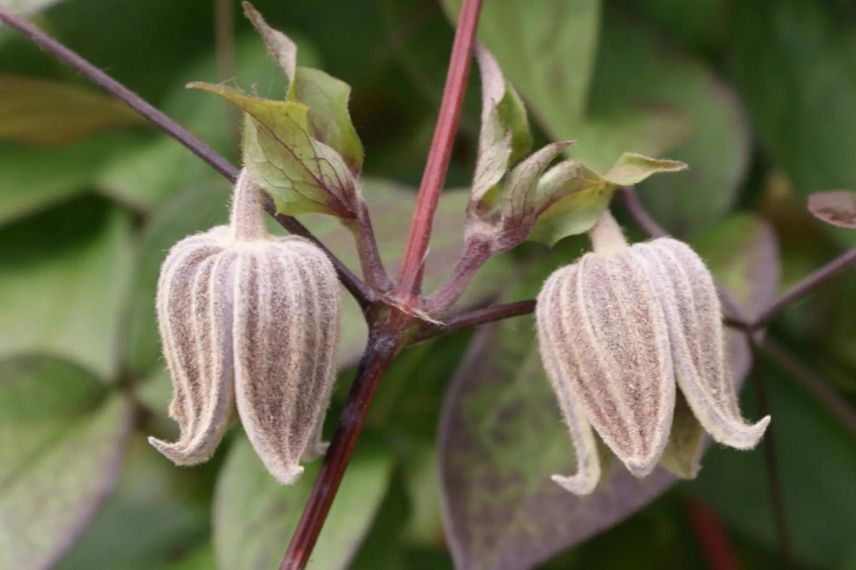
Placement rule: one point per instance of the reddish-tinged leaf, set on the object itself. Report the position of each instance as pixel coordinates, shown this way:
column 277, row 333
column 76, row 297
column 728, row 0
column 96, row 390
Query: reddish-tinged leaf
column 837, row 208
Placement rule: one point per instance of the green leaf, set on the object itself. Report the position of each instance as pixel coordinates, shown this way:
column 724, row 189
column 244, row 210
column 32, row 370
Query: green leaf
column 47, row 112
column 301, row 173
column 638, row 73
column 279, row 46
column 65, row 276
column 254, row 515
column 34, row 178
column 572, row 196
column 327, row 99
column 156, row 513
column 632, row 168
column 805, row 53
column 504, row 136
column 837, row 208
column 62, row 443
column 546, row 48
column 326, row 96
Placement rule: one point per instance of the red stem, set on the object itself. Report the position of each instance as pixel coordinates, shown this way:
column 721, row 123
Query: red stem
column 437, row 164
column 712, row 537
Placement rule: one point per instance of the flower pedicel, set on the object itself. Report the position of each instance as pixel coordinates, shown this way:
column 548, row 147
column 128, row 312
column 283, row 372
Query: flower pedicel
column 251, row 321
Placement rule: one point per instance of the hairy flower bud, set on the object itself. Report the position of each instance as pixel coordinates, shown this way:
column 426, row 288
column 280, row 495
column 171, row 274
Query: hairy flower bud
column 250, row 320
column 617, row 330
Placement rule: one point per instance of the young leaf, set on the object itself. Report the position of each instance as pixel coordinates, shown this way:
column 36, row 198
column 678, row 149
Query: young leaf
column 280, row 47
column 63, row 438
column 286, row 159
column 326, row 96
column 252, row 512
column 837, row 208
column 571, row 196
column 504, row 135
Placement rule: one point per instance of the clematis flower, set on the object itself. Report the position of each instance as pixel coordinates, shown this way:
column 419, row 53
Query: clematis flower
column 620, row 331
column 251, row 321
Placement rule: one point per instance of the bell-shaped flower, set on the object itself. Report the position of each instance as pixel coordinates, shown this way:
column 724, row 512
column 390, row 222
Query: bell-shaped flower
column 617, row 331
column 251, row 321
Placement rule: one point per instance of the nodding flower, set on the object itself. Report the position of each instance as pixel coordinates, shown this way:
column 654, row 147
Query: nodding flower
column 248, row 321
column 620, row 331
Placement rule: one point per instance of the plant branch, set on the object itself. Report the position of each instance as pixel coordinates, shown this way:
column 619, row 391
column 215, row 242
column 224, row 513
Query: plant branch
column 357, row 288
column 371, row 262
column 475, row 318
column 437, row 163
column 806, row 286
column 476, row 253
column 385, row 339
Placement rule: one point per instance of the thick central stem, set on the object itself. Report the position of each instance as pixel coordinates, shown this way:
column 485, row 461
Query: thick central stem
column 410, row 280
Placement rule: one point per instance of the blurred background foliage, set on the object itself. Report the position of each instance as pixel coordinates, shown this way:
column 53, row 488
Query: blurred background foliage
column 758, row 96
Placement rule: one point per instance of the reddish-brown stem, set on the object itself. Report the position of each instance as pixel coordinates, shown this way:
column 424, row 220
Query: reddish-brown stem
column 476, row 253
column 385, row 340
column 437, row 163
column 806, row 286
column 374, row 271
column 356, row 287
column 712, row 537
column 475, row 318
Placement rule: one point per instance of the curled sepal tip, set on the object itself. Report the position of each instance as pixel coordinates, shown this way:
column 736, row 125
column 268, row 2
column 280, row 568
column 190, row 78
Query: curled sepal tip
column 618, row 331
column 248, row 320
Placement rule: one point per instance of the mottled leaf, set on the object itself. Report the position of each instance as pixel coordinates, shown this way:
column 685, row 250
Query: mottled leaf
column 65, row 276
column 61, row 443
column 837, row 208
column 47, row 112
column 254, row 515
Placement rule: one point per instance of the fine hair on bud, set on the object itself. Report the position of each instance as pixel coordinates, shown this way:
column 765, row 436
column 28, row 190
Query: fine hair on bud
column 249, row 321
